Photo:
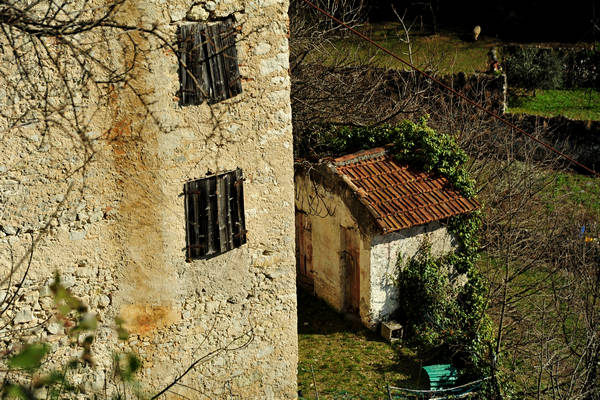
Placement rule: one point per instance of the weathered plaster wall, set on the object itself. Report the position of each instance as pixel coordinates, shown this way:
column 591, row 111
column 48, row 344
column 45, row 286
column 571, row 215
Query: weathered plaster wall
column 385, row 250
column 328, row 213
column 106, row 212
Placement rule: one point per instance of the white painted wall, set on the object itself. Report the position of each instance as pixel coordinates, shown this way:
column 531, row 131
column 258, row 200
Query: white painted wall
column 384, row 255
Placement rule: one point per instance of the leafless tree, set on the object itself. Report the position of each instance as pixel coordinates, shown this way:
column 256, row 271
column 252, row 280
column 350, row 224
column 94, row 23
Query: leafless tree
column 312, row 36
column 543, row 277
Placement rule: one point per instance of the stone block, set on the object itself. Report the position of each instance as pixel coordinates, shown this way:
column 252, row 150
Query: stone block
column 392, row 331
column 24, row 315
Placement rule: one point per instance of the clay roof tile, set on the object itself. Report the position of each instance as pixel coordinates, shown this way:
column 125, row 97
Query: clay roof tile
column 401, row 196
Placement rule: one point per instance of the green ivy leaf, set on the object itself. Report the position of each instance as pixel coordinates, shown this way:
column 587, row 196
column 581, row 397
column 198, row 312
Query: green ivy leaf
column 12, row 390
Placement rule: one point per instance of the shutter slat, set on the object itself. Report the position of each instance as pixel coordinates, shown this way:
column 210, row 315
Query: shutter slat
column 202, row 219
column 229, row 203
column 221, row 83
column 188, row 221
column 214, row 61
column 194, row 54
column 184, row 59
column 230, row 62
column 240, row 229
column 182, row 68
column 197, row 215
column 221, row 214
column 210, row 223
column 201, row 73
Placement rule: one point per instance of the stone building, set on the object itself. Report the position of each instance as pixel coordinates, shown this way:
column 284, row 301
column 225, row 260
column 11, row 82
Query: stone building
column 165, row 197
column 355, row 215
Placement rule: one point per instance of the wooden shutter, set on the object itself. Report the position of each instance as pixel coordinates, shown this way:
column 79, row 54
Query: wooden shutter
column 214, row 213
column 208, row 67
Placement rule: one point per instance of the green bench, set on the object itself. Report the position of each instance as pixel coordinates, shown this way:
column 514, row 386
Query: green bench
column 441, row 376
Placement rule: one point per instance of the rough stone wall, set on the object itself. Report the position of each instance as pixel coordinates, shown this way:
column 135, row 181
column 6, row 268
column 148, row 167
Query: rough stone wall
column 385, row 250
column 105, row 210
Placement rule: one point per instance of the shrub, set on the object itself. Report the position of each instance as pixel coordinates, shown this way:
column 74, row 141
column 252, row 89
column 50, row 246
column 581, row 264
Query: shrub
column 547, row 68
column 440, row 316
column 582, row 69
column 534, row 68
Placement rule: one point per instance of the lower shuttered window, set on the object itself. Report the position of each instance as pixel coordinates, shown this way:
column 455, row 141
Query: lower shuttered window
column 214, row 214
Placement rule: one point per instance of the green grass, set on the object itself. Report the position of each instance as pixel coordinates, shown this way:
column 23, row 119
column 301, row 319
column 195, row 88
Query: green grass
column 579, row 191
column 349, row 361
column 445, row 52
column 581, row 104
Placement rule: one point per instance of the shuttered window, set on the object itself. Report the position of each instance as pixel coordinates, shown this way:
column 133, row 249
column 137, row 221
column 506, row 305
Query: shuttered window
column 208, row 64
column 214, row 213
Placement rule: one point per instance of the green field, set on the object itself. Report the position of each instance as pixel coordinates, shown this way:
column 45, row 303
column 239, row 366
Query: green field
column 445, row 52
column 349, row 361
column 449, row 52
column 576, row 104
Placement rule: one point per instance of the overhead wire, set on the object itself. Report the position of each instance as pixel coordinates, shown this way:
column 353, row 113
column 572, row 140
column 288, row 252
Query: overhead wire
column 457, row 93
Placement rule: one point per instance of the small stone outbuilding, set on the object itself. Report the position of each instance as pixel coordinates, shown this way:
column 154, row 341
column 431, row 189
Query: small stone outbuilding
column 355, row 215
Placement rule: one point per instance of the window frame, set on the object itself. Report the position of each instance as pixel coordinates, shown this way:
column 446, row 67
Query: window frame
column 208, row 62
column 215, row 222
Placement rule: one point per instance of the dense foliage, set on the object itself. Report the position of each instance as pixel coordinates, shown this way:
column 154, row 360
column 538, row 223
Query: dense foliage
column 413, row 143
column 533, row 68
column 442, row 317
column 548, row 68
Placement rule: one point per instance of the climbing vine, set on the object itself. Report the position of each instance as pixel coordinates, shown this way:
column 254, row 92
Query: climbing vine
column 440, row 316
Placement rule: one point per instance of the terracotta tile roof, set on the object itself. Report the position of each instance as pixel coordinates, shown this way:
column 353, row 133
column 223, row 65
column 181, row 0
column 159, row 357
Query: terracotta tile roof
column 397, row 196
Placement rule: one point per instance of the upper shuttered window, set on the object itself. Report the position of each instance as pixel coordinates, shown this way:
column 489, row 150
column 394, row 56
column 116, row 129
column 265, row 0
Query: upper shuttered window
column 208, row 65
column 214, row 214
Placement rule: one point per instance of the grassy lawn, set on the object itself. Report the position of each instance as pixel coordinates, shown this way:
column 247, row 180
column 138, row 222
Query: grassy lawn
column 349, row 361
column 576, row 104
column 445, row 52
column 580, row 191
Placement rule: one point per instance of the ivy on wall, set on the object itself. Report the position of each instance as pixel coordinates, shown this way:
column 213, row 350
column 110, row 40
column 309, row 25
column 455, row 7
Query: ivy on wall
column 413, row 143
